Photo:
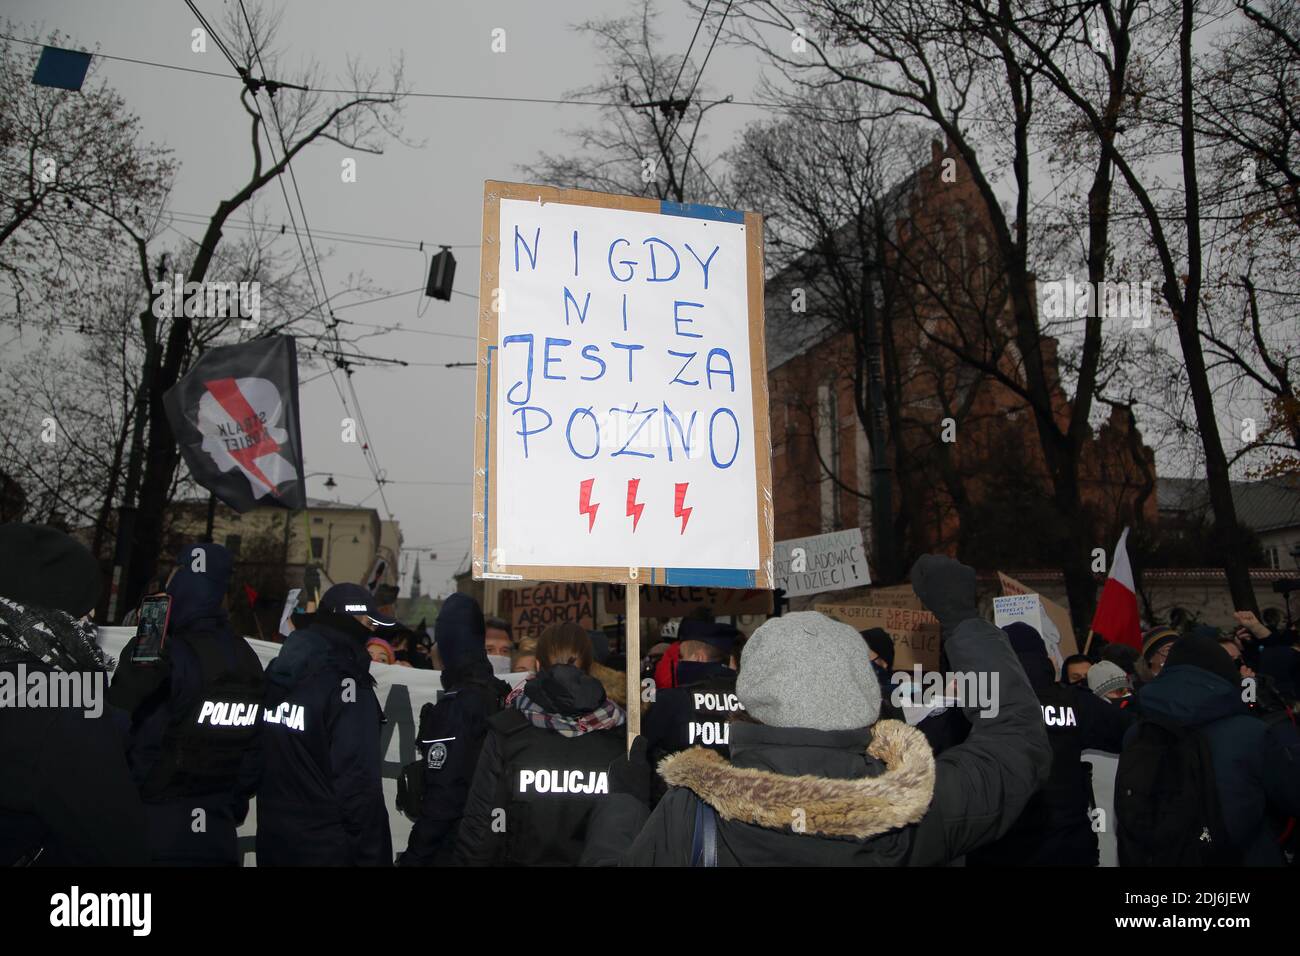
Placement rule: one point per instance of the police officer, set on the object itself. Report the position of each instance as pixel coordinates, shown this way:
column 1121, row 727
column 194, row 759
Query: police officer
column 1055, row 828
column 194, row 718
column 695, row 712
column 545, row 761
column 321, row 798
column 452, row 730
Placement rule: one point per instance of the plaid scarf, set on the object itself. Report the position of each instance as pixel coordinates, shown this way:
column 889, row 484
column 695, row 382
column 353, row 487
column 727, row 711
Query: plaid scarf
column 605, row 717
column 50, row 636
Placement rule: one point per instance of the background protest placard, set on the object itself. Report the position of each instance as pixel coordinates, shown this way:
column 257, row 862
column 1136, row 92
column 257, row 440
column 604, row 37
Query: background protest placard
column 621, row 417
column 531, row 610
column 822, row 562
column 1056, row 619
column 915, row 633
column 896, row 595
column 677, row 602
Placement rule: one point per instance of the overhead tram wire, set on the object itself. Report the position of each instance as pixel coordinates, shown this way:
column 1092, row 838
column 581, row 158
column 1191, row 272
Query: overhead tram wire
column 477, row 97
column 368, row 453
column 368, row 446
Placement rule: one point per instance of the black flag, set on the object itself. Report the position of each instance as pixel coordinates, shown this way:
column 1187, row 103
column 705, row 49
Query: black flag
column 235, row 417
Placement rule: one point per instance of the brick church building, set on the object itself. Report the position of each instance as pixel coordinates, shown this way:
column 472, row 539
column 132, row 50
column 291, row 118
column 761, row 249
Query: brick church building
column 967, row 476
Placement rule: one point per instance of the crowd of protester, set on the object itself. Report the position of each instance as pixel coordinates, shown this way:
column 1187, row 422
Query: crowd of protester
column 799, row 744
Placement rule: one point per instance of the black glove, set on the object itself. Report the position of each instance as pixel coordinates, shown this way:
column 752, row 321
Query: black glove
column 135, row 685
column 631, row 773
column 947, row 588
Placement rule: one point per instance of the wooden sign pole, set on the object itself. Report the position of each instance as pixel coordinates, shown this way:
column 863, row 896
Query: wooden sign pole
column 632, row 630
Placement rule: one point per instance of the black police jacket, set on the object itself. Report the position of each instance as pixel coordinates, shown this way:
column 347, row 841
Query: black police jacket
column 1055, row 828
column 321, row 801
column 534, row 789
column 450, row 739
column 193, row 740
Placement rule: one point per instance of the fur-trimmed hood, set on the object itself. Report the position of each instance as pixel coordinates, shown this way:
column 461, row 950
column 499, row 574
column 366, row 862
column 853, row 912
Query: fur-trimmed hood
column 855, row 808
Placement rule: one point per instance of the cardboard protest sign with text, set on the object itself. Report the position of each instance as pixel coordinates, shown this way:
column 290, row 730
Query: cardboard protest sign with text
column 1056, row 619
column 821, row 562
column 678, row 602
column 896, row 595
column 531, row 610
column 1028, row 609
column 915, row 633
column 621, row 417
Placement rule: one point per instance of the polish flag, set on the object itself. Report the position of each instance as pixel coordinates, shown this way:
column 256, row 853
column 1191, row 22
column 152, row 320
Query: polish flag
column 1117, row 612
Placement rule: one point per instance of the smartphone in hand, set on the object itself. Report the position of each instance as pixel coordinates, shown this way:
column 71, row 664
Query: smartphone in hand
column 151, row 632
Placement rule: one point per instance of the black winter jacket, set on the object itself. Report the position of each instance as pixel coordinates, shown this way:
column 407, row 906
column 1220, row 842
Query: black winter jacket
column 185, row 754
column 321, row 800
column 450, row 740
column 534, row 789
column 66, row 794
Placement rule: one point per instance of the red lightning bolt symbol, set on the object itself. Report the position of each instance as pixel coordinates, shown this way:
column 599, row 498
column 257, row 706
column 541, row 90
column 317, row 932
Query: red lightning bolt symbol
column 229, row 397
column 585, row 507
column 679, row 500
column 633, row 509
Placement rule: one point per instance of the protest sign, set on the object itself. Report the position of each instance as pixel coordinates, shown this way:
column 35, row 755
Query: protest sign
column 621, row 413
column 677, row 602
column 897, row 595
column 1018, row 607
column 1056, row 619
column 531, row 610
column 915, row 633
column 822, row 562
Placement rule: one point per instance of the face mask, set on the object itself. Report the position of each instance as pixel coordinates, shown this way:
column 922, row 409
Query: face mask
column 500, row 663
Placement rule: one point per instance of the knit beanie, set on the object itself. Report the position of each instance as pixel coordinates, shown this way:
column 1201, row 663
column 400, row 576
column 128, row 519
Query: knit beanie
column 1104, row 677
column 806, row 670
column 1155, row 639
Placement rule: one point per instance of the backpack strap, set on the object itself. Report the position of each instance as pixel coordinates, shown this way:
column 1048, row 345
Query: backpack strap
column 704, row 839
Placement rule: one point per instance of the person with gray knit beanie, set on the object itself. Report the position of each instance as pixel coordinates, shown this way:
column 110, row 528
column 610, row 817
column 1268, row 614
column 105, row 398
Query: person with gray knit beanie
column 807, row 670
column 1108, row 681
column 817, row 775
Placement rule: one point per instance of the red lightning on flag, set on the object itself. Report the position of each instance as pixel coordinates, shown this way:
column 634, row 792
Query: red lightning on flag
column 679, row 500
column 633, row 509
column 229, row 397
column 585, row 507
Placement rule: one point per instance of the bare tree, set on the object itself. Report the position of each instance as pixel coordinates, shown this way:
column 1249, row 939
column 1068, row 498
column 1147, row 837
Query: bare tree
column 285, row 117
column 66, row 156
column 650, row 135
column 944, row 63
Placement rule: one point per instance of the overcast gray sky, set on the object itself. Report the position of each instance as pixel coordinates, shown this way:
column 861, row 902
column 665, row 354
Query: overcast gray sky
column 420, row 418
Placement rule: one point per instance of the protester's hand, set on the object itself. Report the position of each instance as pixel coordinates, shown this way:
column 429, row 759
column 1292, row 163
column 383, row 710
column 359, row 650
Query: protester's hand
column 1250, row 622
column 631, row 773
column 947, row 588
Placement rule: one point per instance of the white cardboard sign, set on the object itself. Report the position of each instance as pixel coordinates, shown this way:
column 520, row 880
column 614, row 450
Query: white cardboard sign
column 822, row 562
column 624, row 423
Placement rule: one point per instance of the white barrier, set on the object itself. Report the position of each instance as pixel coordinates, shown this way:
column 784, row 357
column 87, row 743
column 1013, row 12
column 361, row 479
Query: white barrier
column 402, row 692
column 1104, row 766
